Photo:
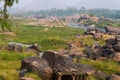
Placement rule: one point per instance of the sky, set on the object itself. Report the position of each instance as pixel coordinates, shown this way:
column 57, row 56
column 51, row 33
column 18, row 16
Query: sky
column 62, row 4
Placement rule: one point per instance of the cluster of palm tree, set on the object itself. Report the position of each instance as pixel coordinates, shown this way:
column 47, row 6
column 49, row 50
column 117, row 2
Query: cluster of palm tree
column 4, row 21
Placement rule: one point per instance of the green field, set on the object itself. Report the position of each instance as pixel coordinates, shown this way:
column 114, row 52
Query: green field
column 52, row 39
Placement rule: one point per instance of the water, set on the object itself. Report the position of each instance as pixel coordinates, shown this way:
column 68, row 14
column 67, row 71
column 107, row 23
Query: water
column 77, row 26
column 82, row 27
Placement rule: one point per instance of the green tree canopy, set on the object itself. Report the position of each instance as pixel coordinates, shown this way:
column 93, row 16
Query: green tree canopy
column 4, row 22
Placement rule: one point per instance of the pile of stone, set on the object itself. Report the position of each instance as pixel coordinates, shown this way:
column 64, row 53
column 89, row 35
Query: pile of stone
column 56, row 66
column 18, row 47
column 109, row 50
column 112, row 30
column 59, row 66
column 93, row 30
column 98, row 51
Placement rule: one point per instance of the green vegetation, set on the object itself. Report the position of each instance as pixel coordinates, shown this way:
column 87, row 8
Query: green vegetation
column 10, row 63
column 111, row 22
column 52, row 39
column 4, row 21
column 72, row 11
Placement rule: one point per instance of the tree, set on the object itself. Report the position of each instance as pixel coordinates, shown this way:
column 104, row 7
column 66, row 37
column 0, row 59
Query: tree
column 82, row 9
column 4, row 21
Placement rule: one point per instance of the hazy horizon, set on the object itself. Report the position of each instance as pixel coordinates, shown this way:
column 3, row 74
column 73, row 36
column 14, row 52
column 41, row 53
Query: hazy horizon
column 63, row 4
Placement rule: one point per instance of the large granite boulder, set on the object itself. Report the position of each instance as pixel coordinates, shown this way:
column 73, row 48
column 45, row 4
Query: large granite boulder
column 59, row 62
column 35, row 48
column 108, row 53
column 93, row 30
column 13, row 47
column 116, row 48
column 93, row 53
column 113, row 77
column 50, row 56
column 100, row 75
column 117, row 57
column 63, row 66
column 117, row 37
column 112, row 30
column 76, row 43
column 111, row 42
column 90, row 70
column 97, row 36
column 39, row 66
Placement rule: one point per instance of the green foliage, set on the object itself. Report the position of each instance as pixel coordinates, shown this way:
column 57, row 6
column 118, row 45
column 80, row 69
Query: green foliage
column 72, row 11
column 89, row 22
column 103, row 23
column 4, row 22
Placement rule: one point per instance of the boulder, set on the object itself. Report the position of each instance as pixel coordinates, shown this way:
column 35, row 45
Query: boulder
column 114, row 77
column 42, row 69
column 97, row 36
column 117, row 37
column 116, row 48
column 96, row 45
column 100, row 75
column 63, row 66
column 59, row 62
column 76, row 43
column 64, row 63
column 16, row 48
column 93, row 30
column 50, row 56
column 35, row 48
column 117, row 57
column 112, row 30
column 90, row 70
column 39, row 66
column 96, row 53
column 76, row 55
column 93, row 53
column 23, row 72
column 111, row 42
column 108, row 53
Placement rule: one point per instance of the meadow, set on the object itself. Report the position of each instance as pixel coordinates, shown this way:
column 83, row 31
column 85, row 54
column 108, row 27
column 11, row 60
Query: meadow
column 51, row 39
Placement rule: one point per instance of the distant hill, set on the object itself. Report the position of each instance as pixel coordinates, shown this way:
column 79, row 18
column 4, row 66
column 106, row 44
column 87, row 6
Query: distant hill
column 71, row 11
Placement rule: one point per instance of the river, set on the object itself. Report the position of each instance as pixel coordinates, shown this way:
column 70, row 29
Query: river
column 82, row 27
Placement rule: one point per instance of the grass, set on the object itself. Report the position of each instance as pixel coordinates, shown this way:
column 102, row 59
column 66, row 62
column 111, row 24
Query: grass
column 109, row 66
column 54, row 38
column 10, row 63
